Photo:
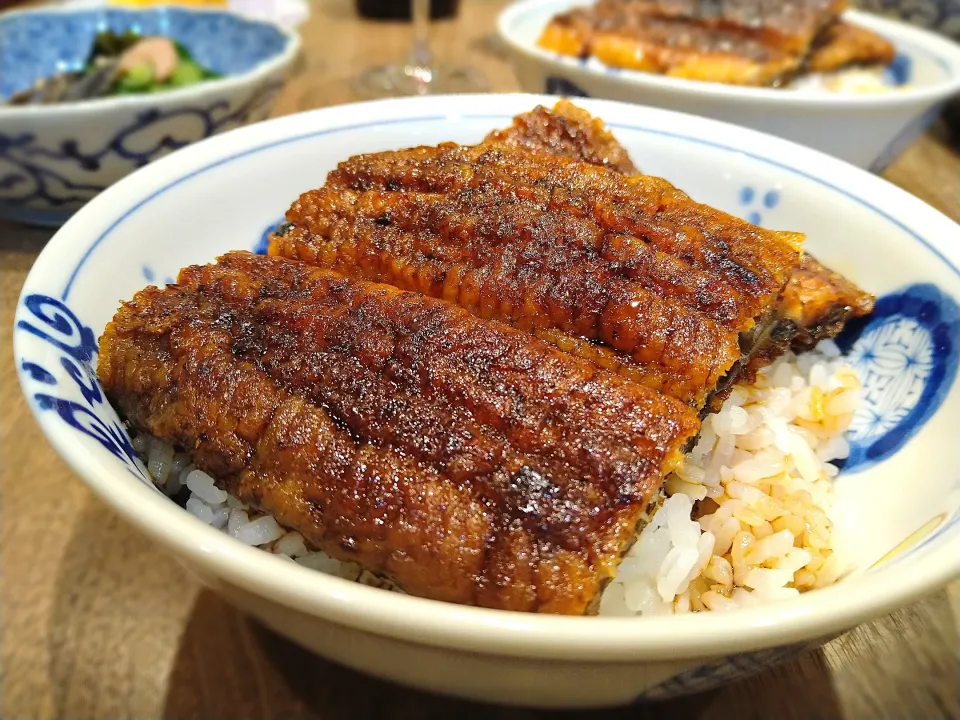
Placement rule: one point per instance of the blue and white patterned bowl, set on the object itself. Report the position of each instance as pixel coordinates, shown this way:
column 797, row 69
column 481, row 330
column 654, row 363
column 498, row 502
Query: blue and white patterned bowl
column 55, row 158
column 869, row 130
column 898, row 498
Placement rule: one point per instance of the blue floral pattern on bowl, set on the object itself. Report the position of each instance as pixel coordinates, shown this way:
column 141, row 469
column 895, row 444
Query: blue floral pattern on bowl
column 76, row 346
column 754, row 203
column 712, row 675
column 899, row 72
column 27, row 177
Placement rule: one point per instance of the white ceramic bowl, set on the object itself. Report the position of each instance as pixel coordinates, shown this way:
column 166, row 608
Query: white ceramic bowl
column 226, row 192
column 54, row 158
column 869, row 131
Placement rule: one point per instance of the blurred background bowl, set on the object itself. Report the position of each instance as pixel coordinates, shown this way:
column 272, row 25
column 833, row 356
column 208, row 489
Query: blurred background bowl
column 54, row 158
column 868, row 130
column 942, row 16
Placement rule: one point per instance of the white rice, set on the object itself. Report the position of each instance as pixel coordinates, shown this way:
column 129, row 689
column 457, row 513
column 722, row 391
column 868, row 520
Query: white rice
column 853, row 81
column 744, row 519
column 763, row 469
column 172, row 472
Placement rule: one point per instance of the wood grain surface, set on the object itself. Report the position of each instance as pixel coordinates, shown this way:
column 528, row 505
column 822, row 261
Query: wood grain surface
column 98, row 623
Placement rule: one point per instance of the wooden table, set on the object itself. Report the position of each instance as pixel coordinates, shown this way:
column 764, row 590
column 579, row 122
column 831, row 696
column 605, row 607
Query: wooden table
column 97, row 623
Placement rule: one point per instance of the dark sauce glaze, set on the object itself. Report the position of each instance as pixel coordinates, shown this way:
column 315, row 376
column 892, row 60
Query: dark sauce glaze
column 628, row 271
column 459, row 458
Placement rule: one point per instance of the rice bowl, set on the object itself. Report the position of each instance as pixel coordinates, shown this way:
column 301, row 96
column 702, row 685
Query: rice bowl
column 488, row 654
column 873, row 117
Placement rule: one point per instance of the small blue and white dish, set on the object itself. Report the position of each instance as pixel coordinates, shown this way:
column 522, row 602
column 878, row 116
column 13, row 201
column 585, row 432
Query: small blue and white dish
column 896, row 517
column 54, row 158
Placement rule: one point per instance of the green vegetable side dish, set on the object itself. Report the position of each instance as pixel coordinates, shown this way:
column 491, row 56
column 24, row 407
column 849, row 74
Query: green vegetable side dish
column 121, row 64
column 141, row 79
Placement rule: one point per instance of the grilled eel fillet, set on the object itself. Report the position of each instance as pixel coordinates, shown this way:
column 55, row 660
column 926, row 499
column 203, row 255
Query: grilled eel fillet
column 567, row 131
column 618, row 36
column 788, row 25
column 842, row 45
column 819, row 302
column 816, row 302
column 747, row 42
column 628, row 272
column 458, row 457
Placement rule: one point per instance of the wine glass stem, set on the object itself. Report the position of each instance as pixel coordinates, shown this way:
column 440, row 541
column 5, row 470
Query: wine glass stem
column 420, row 55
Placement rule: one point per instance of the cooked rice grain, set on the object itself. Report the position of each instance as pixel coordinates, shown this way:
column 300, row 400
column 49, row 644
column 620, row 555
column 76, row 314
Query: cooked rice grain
column 759, row 487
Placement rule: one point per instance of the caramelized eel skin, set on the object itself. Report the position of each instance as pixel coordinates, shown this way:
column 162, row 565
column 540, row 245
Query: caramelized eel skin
column 819, row 302
column 628, row 272
column 567, row 131
column 745, row 42
column 815, row 304
column 844, row 44
column 461, row 459
column 788, row 25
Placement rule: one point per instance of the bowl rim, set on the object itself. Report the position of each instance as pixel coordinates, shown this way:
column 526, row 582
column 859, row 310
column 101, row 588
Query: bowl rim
column 174, row 96
column 478, row 630
column 946, row 51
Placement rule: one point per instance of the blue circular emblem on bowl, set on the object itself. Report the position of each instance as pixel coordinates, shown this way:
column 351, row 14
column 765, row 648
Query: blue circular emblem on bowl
column 907, row 354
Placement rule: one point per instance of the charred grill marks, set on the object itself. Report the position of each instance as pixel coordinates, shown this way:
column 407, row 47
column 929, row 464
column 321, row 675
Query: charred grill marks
column 462, row 459
column 571, row 252
column 816, row 302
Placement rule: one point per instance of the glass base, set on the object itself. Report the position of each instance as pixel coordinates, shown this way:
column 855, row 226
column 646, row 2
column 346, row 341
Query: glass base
column 407, row 80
